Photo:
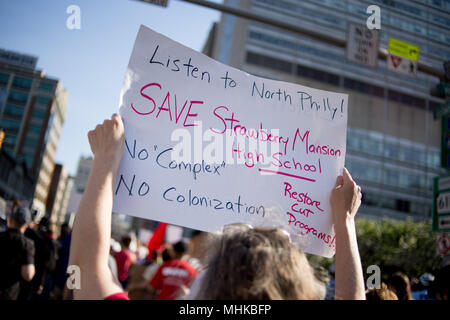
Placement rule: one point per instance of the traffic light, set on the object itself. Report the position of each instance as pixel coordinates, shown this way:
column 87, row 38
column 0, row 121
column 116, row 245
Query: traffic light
column 2, row 137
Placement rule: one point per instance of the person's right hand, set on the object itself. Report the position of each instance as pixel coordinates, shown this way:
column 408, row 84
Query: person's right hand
column 345, row 198
column 107, row 141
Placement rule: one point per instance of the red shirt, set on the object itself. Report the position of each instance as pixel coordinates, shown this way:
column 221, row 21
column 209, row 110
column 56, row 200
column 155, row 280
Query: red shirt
column 124, row 260
column 118, row 296
column 171, row 276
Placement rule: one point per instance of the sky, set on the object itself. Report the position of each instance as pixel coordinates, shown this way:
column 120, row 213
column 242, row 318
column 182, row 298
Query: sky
column 91, row 61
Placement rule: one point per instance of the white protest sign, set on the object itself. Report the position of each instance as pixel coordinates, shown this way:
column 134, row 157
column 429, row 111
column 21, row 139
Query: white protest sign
column 208, row 145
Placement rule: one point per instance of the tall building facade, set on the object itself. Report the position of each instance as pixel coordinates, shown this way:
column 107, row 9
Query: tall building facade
column 83, row 170
column 55, row 123
column 32, row 110
column 393, row 142
column 58, row 195
column 79, row 185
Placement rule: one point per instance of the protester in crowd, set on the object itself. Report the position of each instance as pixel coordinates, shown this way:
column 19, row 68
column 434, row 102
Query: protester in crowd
column 141, row 274
column 262, row 263
column 50, row 267
column 383, row 293
column 45, row 258
column 3, row 224
column 93, row 226
column 112, row 264
column 3, row 209
column 63, row 261
column 124, row 259
column 141, row 253
column 399, row 284
column 323, row 277
column 17, row 252
column 420, row 289
column 440, row 289
column 173, row 278
column 64, row 231
column 158, row 258
column 197, row 249
column 331, row 285
column 154, row 257
column 256, row 263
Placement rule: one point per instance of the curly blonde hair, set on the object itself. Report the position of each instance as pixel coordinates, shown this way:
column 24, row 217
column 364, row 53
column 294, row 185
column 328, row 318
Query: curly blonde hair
column 257, row 264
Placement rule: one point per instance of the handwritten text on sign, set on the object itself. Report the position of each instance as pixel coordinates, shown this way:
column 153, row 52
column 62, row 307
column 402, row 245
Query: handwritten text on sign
column 209, row 145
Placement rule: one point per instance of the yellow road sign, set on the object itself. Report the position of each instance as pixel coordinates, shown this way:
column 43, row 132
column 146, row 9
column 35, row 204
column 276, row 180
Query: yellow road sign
column 403, row 49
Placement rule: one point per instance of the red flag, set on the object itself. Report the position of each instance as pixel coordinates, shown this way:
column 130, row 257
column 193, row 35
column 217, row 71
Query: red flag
column 157, row 239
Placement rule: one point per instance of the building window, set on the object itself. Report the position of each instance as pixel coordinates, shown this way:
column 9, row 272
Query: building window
column 29, row 159
column 39, row 114
column 407, row 99
column 13, row 109
column 46, row 86
column 34, row 128
column 43, row 100
column 318, row 75
column 363, row 87
column 268, row 62
column 22, row 82
column 10, row 142
column 402, row 205
column 10, row 123
column 30, row 143
column 4, row 77
column 18, row 97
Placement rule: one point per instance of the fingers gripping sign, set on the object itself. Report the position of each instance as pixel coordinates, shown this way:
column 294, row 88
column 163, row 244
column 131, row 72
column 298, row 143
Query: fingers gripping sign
column 345, row 197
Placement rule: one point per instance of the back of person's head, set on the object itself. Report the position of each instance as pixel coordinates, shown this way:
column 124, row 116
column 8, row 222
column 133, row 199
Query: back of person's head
column 65, row 229
column 44, row 224
column 257, row 263
column 166, row 255
column 399, row 283
column 423, row 283
column 51, row 228
column 16, row 203
column 440, row 288
column 180, row 248
column 126, row 241
column 19, row 217
column 383, row 293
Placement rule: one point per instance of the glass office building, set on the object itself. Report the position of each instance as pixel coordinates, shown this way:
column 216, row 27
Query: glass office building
column 32, row 110
column 393, row 141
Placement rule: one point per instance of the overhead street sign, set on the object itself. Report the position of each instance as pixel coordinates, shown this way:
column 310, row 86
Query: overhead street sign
column 441, row 204
column 403, row 49
column 402, row 65
column 443, row 244
column 363, row 45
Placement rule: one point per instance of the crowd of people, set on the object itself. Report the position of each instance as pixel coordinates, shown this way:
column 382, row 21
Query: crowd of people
column 34, row 260
column 241, row 262
column 35, row 267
